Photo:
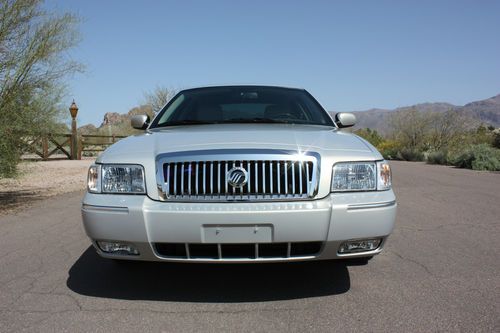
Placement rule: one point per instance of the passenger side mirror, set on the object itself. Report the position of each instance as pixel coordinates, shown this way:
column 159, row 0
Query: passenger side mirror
column 345, row 119
column 140, row 122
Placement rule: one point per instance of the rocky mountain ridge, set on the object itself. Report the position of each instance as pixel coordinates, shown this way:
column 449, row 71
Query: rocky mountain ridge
column 485, row 111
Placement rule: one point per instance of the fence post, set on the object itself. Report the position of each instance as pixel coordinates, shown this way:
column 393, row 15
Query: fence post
column 73, row 109
column 80, row 148
column 45, row 147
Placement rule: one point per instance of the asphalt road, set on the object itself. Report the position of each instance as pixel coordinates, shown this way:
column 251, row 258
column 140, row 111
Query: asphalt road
column 440, row 271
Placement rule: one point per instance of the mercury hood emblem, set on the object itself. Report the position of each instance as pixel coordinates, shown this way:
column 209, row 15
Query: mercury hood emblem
column 237, row 177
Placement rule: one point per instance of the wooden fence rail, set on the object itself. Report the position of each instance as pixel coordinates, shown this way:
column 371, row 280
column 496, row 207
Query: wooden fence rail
column 47, row 145
column 99, row 144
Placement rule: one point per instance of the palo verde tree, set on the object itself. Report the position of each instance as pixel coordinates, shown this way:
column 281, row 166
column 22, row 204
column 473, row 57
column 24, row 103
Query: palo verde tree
column 159, row 97
column 33, row 65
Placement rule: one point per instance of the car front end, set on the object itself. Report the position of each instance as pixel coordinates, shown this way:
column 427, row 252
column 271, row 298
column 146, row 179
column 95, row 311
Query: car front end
column 240, row 193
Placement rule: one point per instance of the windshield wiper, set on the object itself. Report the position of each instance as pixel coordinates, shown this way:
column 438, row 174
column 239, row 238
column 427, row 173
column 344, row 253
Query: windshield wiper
column 187, row 122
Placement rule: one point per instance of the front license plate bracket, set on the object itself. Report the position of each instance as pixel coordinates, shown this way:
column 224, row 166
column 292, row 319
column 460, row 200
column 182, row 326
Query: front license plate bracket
column 255, row 233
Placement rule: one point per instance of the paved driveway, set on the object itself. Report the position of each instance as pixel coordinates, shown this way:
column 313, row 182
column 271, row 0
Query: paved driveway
column 440, row 271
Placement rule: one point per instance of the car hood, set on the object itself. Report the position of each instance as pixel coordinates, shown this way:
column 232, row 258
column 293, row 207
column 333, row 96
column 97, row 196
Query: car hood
column 238, row 136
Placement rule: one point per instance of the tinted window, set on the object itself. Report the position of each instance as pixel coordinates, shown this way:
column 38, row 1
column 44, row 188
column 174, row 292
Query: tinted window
column 242, row 105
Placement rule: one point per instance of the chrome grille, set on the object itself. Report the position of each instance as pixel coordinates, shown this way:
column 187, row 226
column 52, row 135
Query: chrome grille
column 270, row 175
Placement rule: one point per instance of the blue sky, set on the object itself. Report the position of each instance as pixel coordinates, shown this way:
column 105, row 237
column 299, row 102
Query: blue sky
column 351, row 55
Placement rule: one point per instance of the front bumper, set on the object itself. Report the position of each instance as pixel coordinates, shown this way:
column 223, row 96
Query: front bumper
column 142, row 222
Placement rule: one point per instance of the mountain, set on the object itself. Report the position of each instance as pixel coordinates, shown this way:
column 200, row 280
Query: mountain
column 485, row 111
column 116, row 123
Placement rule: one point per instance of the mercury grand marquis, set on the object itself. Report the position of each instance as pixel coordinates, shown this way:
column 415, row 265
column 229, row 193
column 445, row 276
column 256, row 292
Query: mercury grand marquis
column 240, row 174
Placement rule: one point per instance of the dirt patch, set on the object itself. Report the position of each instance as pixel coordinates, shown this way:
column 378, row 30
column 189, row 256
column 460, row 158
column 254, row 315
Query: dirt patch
column 40, row 180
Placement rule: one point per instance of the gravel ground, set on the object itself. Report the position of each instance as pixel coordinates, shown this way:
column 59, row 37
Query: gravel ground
column 40, row 180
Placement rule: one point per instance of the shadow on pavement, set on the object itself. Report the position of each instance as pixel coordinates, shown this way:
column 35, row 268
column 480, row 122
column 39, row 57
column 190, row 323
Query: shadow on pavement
column 92, row 275
column 14, row 199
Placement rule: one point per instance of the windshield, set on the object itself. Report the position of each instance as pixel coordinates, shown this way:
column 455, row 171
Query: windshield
column 225, row 105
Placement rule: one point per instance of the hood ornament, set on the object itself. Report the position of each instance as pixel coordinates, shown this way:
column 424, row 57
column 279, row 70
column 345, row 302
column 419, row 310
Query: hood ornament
column 237, row 177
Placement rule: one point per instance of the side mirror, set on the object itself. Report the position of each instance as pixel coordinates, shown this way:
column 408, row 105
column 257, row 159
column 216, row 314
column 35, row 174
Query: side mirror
column 345, row 119
column 140, row 122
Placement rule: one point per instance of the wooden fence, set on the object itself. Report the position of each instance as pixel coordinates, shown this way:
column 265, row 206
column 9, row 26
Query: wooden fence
column 60, row 146
column 96, row 143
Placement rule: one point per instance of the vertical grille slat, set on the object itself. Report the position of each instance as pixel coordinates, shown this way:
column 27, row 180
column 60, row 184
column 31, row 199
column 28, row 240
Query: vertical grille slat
column 182, row 178
column 197, row 176
column 264, row 177
column 175, row 180
column 307, row 179
column 286, row 178
column 168, row 180
column 249, row 164
column 256, row 173
column 225, row 175
column 270, row 179
column 219, row 176
column 211, row 180
column 278, row 178
column 300, row 177
column 204, row 178
column 189, row 179
column 242, row 189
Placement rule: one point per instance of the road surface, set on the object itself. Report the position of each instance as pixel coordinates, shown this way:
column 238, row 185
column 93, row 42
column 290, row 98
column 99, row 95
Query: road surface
column 440, row 271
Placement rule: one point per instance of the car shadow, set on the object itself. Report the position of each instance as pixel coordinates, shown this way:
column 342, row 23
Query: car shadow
column 94, row 276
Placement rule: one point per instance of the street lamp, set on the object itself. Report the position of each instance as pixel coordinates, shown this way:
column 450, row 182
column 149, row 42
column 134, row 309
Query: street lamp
column 73, row 109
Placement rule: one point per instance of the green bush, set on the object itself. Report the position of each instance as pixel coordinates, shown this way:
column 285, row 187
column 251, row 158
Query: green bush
column 389, row 149
column 372, row 136
column 9, row 156
column 438, row 157
column 496, row 138
column 408, row 154
column 478, row 157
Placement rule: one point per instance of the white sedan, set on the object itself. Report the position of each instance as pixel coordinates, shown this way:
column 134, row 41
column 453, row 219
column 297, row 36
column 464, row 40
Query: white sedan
column 240, row 174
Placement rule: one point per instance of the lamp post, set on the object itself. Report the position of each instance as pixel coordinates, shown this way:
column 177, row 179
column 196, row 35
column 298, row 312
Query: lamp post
column 73, row 109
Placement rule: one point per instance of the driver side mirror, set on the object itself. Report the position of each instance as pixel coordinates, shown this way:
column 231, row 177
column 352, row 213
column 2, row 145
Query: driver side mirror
column 345, row 119
column 140, row 122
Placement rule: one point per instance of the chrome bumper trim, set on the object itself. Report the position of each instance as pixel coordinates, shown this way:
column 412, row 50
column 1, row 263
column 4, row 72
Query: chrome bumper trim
column 108, row 209
column 371, row 205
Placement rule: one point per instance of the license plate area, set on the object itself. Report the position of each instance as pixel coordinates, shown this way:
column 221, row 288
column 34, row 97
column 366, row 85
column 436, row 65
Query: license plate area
column 226, row 234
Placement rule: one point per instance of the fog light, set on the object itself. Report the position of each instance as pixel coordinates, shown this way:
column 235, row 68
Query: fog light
column 118, row 248
column 361, row 245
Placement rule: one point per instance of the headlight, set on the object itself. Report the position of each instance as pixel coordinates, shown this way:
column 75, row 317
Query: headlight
column 361, row 176
column 116, row 179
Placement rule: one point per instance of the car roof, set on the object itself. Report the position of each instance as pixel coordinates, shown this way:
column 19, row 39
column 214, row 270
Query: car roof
column 240, row 87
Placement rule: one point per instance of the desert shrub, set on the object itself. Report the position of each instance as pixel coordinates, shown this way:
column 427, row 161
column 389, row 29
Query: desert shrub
column 496, row 138
column 480, row 135
column 9, row 157
column 409, row 154
column 478, row 157
column 437, row 157
column 372, row 136
column 389, row 149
